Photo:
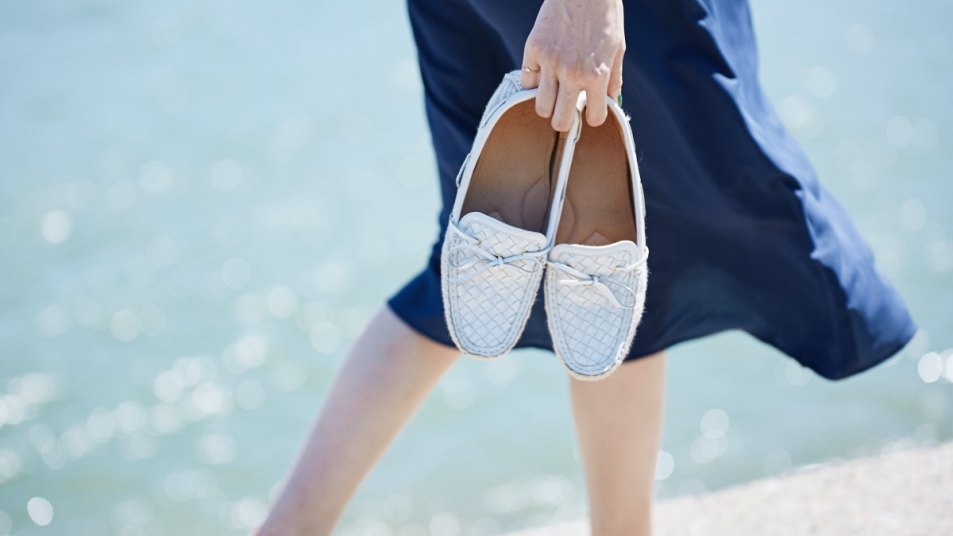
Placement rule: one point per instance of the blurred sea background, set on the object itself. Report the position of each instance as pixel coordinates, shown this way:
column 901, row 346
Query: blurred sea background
column 191, row 201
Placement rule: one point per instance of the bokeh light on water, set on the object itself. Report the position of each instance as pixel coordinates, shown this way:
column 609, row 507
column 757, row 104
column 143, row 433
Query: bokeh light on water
column 192, row 196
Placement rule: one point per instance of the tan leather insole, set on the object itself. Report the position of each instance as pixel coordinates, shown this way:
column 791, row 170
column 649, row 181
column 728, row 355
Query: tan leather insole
column 514, row 178
column 598, row 208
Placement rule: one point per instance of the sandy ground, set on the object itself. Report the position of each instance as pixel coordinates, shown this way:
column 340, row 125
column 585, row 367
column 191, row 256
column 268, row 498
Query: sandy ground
column 898, row 494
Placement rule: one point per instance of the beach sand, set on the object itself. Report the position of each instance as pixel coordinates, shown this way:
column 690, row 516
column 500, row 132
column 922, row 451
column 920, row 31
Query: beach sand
column 902, row 493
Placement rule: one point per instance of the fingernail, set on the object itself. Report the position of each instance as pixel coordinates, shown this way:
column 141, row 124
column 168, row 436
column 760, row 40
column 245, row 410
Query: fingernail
column 619, row 100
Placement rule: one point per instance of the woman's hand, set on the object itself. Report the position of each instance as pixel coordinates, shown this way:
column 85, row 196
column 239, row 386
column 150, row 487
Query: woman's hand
column 575, row 45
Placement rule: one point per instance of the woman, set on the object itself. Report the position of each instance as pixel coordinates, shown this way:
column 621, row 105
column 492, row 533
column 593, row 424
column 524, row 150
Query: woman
column 743, row 236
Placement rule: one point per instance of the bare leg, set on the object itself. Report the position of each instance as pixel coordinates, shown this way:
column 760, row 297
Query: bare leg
column 388, row 374
column 619, row 425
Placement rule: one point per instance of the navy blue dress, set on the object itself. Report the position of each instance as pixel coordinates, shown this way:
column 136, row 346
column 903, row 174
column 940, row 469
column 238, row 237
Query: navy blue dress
column 743, row 236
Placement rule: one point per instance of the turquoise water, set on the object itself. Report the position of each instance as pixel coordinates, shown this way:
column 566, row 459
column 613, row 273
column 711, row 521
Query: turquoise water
column 190, row 196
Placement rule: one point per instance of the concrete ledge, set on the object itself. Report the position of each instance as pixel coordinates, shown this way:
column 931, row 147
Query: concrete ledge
column 908, row 493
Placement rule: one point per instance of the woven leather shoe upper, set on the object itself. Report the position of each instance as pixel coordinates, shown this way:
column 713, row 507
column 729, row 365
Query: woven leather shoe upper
column 595, row 296
column 491, row 275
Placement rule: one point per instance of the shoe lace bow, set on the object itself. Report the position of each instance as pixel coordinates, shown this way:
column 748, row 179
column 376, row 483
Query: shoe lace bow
column 601, row 283
column 484, row 259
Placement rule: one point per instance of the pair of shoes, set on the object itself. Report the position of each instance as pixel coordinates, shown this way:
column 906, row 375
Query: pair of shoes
column 534, row 201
